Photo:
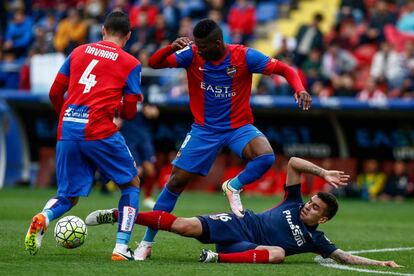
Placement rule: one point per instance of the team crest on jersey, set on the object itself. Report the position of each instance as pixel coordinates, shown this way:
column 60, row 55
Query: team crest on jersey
column 231, row 70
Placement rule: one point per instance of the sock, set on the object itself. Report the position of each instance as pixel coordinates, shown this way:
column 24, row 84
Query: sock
column 253, row 171
column 249, row 256
column 56, row 207
column 127, row 213
column 165, row 202
column 148, row 186
column 159, row 220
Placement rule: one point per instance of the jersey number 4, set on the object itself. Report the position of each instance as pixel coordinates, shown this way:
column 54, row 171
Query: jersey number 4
column 87, row 78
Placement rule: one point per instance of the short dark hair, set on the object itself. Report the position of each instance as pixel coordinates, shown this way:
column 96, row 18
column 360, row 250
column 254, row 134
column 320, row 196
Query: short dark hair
column 330, row 200
column 205, row 28
column 117, row 23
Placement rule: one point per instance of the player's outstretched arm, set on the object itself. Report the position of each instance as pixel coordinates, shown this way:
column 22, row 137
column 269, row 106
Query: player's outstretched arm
column 297, row 166
column 347, row 258
column 302, row 97
column 164, row 58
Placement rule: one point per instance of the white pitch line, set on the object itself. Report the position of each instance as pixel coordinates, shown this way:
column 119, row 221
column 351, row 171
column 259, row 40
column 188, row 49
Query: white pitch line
column 332, row 264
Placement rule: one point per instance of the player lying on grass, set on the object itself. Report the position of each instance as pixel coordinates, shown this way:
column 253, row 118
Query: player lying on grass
column 268, row 237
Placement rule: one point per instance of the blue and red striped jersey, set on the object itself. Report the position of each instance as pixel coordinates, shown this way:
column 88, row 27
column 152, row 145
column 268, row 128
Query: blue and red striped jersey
column 100, row 74
column 220, row 90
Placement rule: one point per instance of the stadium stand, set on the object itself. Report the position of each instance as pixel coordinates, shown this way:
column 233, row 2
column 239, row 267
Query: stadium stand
column 363, row 62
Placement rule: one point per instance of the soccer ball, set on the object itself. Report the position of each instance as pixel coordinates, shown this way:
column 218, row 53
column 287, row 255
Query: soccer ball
column 70, row 232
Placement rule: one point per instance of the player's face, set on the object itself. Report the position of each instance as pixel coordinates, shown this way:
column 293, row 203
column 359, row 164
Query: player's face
column 312, row 212
column 208, row 49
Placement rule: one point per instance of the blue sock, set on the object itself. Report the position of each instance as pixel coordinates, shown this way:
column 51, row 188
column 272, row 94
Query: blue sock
column 56, row 207
column 127, row 213
column 165, row 202
column 253, row 171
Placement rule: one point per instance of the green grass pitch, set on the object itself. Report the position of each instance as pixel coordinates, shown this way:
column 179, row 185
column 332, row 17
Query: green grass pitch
column 357, row 226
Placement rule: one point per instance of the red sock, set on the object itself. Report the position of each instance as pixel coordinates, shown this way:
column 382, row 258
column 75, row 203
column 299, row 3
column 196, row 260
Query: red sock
column 159, row 220
column 249, row 256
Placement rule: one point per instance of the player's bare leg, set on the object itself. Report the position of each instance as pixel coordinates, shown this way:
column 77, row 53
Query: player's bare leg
column 261, row 157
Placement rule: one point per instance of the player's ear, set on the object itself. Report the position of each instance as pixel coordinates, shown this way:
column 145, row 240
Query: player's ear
column 322, row 220
column 128, row 36
column 103, row 31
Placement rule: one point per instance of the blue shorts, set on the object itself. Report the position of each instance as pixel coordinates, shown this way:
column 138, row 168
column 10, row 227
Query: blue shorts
column 228, row 232
column 201, row 146
column 77, row 161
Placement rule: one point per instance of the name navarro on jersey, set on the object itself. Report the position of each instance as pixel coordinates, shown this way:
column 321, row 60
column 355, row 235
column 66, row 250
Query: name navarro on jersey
column 296, row 232
column 219, row 91
column 101, row 53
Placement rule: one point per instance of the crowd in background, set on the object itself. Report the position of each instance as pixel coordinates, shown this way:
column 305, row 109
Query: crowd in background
column 368, row 54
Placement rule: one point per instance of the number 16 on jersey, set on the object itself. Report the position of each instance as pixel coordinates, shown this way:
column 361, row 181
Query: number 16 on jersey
column 87, row 78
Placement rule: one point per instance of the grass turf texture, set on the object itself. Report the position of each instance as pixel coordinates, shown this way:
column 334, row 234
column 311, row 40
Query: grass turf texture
column 358, row 225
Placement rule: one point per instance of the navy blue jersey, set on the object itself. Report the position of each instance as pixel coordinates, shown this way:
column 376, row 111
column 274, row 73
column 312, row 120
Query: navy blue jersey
column 282, row 226
column 278, row 226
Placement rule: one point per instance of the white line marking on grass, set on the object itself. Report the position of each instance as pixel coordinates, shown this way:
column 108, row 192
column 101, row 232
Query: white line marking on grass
column 332, row 264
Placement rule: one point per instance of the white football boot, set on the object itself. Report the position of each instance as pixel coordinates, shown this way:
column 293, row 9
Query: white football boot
column 233, row 197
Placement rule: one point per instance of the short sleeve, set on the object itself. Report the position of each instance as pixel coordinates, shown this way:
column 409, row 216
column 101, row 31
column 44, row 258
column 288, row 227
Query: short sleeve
column 323, row 245
column 293, row 193
column 65, row 69
column 256, row 61
column 184, row 57
column 133, row 82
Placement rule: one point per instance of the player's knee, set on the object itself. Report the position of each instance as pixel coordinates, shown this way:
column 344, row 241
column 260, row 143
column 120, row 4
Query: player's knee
column 184, row 227
column 276, row 256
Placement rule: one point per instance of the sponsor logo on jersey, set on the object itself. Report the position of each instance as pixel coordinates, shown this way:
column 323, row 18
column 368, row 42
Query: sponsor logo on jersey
column 77, row 114
column 231, row 70
column 218, row 90
column 101, row 53
column 296, row 231
column 128, row 218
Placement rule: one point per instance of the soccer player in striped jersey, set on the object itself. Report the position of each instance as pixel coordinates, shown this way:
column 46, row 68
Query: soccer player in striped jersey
column 99, row 79
column 219, row 82
column 286, row 229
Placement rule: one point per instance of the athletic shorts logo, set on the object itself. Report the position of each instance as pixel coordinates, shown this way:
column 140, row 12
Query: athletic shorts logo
column 128, row 218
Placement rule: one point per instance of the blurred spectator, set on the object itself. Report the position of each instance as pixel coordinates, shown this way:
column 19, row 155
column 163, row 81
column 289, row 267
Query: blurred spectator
column 397, row 183
column 142, row 36
column 381, row 15
column 242, row 21
column 387, row 66
column 162, row 34
column 216, row 16
column 221, row 6
column 122, row 5
column 407, row 88
column 143, row 8
column 186, row 27
column 406, row 21
column 172, row 16
column 371, row 92
column 71, row 32
column 312, row 67
column 336, row 63
column 308, row 37
column 19, row 34
column 94, row 13
column 139, row 140
column 371, row 181
column 352, row 8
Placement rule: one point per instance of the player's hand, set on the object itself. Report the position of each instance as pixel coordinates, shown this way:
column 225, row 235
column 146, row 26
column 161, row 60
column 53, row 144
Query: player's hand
column 304, row 100
column 180, row 43
column 336, row 178
column 389, row 263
